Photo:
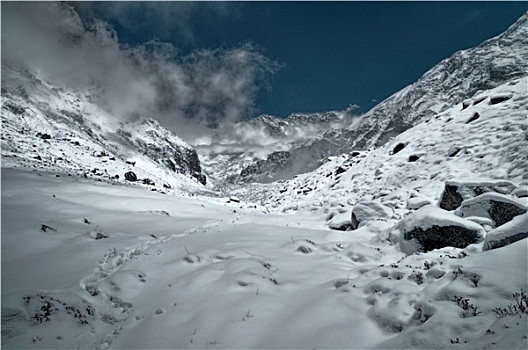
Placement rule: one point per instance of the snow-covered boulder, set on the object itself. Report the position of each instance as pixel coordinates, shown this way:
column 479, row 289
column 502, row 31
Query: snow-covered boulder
column 498, row 207
column 368, row 211
column 340, row 222
column 455, row 192
column 513, row 231
column 431, row 228
column 521, row 191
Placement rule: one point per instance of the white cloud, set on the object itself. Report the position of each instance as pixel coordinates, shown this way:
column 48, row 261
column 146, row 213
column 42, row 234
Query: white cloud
column 184, row 92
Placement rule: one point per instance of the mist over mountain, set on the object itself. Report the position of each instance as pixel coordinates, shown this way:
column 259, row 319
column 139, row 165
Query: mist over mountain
column 186, row 92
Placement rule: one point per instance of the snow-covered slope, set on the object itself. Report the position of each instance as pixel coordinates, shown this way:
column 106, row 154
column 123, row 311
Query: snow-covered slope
column 488, row 139
column 459, row 77
column 90, row 265
column 49, row 127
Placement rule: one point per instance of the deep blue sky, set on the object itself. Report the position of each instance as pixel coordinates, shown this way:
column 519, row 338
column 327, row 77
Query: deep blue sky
column 334, row 53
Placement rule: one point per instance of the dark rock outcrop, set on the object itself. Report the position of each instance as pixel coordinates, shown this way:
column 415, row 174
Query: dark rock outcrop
column 498, row 99
column 164, row 147
column 436, row 237
column 273, row 164
column 434, row 228
column 497, row 207
column 455, row 192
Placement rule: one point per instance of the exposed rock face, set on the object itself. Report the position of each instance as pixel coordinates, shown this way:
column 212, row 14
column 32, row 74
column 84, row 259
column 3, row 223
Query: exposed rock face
column 499, row 208
column 511, row 232
column 268, row 167
column 165, row 148
column 451, row 199
column 455, row 192
column 436, row 237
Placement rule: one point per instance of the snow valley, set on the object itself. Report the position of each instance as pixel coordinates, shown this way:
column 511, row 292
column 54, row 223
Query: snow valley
column 405, row 227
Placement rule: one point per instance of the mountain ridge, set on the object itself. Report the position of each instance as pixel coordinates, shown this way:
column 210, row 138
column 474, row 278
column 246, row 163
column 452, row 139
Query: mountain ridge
column 50, row 127
column 458, row 77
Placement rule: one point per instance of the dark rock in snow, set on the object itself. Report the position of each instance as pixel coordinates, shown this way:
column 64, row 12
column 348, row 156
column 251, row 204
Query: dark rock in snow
column 455, row 192
column 476, row 102
column 473, row 118
column 434, row 228
column 44, row 136
column 234, row 199
column 436, row 237
column 340, row 170
column 453, row 151
column 495, row 206
column 413, row 158
column 398, row 148
column 130, row 176
column 148, row 181
column 498, row 99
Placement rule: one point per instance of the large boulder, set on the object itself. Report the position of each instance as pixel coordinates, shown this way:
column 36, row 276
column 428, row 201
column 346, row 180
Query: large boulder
column 431, row 228
column 340, row 222
column 498, row 207
column 369, row 210
column 455, row 192
column 513, row 231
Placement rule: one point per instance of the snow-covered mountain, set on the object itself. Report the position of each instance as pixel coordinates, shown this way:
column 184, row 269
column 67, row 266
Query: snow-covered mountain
column 47, row 126
column 236, row 159
column 485, row 136
column 459, row 77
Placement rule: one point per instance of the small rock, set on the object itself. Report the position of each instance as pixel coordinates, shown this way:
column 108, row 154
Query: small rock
column 130, row 176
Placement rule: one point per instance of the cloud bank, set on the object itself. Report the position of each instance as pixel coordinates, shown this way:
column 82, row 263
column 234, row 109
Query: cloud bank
column 186, row 93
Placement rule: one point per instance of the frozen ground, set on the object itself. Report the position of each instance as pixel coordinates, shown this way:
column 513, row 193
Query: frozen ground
column 180, row 272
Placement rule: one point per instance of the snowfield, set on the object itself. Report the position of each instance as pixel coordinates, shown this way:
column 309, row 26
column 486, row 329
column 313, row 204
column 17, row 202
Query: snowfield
column 88, row 264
